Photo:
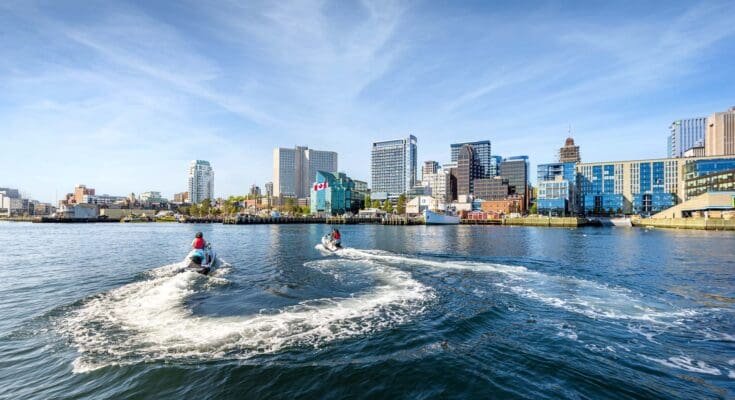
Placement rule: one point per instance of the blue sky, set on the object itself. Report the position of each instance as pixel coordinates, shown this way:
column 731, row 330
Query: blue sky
column 121, row 95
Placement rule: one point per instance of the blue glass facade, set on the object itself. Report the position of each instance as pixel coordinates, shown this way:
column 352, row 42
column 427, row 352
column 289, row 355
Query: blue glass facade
column 338, row 197
column 599, row 190
column 556, row 188
column 651, row 196
column 697, row 168
column 604, row 203
column 685, row 134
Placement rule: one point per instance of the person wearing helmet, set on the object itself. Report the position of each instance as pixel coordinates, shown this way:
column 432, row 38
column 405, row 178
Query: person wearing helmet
column 336, row 237
column 199, row 243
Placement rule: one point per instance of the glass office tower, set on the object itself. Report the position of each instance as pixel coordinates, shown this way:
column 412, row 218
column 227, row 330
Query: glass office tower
column 393, row 167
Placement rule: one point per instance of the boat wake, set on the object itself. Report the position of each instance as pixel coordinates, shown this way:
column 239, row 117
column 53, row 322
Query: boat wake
column 149, row 320
column 581, row 296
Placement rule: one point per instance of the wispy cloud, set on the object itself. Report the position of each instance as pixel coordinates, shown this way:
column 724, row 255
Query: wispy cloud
column 138, row 89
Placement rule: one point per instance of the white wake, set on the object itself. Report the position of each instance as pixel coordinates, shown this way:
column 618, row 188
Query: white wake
column 148, row 320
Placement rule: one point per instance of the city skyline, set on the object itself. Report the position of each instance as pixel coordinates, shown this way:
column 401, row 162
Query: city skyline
column 136, row 91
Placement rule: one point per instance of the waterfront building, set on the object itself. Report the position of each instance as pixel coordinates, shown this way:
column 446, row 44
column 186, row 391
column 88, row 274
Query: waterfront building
column 639, row 186
column 294, row 169
column 419, row 204
column 495, row 188
column 515, row 170
column 269, row 189
column 430, row 167
column 513, row 204
column 393, row 167
column 482, row 153
column 713, row 182
column 709, row 174
column 720, row 134
column 181, row 198
column 468, row 169
column 556, row 183
column 201, row 181
column 100, row 199
column 569, row 153
column 684, row 135
column 334, row 194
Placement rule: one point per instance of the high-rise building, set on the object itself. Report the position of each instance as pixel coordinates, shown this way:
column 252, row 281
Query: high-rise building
column 482, row 150
column 201, row 181
column 515, row 170
column 495, row 165
column 430, row 167
column 569, row 153
column 684, row 135
column 269, row 189
column 720, row 134
column 254, row 190
column 495, row 188
column 468, row 169
column 294, row 170
column 393, row 167
column 439, row 185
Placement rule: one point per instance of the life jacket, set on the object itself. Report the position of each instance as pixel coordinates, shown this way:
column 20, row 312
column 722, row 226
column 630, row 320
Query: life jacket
column 198, row 243
column 336, row 236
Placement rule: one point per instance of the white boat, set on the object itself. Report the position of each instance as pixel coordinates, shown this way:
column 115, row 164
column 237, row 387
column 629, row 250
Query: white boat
column 330, row 244
column 201, row 261
column 434, row 218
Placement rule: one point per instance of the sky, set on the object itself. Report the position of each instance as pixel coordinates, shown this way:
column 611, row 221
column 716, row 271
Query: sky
column 120, row 96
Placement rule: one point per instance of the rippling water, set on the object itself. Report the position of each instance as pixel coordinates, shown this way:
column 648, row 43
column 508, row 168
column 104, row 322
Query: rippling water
column 101, row 311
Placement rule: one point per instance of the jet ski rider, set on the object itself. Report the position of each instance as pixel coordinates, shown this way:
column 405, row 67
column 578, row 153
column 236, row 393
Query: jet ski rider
column 198, row 244
column 336, row 237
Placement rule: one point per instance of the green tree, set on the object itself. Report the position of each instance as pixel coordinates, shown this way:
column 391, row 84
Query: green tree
column 401, row 205
column 375, row 204
column 205, row 207
column 368, row 201
column 387, row 206
column 534, row 209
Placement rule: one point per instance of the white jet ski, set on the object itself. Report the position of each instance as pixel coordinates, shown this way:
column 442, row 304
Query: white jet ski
column 330, row 244
column 202, row 261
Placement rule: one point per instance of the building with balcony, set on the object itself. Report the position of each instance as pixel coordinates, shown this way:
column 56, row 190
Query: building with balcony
column 200, row 181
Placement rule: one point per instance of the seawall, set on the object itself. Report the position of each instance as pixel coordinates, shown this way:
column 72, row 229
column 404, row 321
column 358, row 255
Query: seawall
column 708, row 224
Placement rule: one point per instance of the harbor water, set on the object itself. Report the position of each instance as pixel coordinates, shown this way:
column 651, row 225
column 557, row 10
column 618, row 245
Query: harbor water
column 101, row 311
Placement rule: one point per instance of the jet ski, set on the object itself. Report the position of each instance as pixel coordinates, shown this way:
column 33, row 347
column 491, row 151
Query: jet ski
column 201, row 260
column 330, row 244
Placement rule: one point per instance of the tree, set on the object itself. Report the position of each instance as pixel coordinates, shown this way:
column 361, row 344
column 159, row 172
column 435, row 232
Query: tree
column 387, row 206
column 375, row 204
column 534, row 209
column 401, row 205
column 368, row 201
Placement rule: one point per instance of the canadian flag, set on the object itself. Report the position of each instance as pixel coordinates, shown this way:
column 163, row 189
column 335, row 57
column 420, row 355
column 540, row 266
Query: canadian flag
column 320, row 186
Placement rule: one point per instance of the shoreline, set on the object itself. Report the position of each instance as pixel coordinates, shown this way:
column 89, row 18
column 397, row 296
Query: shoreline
column 545, row 222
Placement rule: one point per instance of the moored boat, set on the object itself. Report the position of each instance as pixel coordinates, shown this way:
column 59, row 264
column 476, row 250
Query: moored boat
column 435, row 218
